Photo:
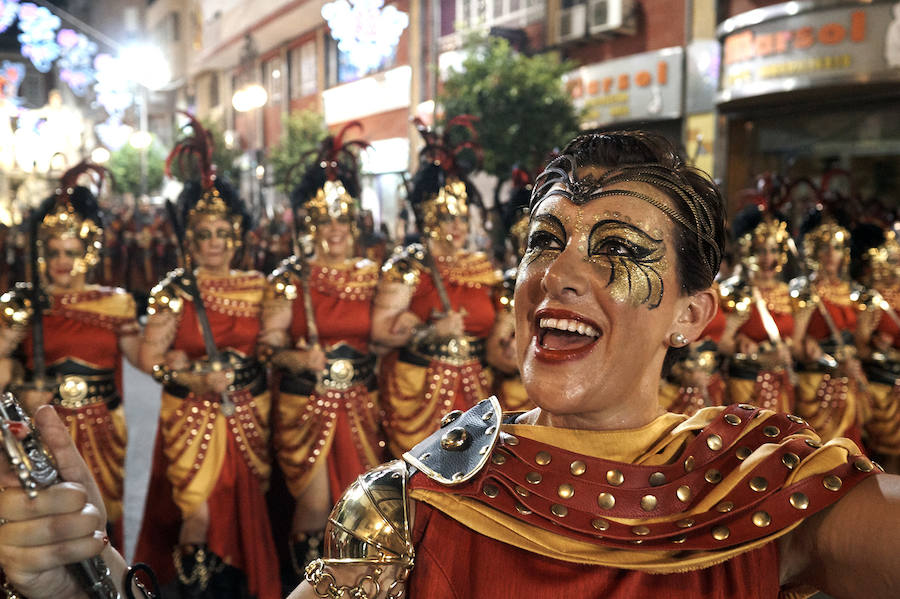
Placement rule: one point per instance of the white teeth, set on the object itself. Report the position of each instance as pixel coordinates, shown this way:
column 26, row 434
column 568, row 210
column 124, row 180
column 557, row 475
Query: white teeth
column 564, row 324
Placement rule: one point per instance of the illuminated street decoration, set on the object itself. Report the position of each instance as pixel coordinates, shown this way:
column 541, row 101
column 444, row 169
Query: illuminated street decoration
column 9, row 10
column 113, row 133
column 112, row 84
column 38, row 35
column 75, row 63
column 11, row 75
column 366, row 31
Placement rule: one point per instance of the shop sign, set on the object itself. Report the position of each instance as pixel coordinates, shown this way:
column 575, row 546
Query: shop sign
column 801, row 45
column 644, row 86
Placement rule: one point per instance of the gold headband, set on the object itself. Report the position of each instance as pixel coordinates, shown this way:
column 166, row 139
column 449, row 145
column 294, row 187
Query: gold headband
column 211, row 205
column 768, row 229
column 449, row 201
column 579, row 191
column 331, row 202
column 65, row 222
column 829, row 233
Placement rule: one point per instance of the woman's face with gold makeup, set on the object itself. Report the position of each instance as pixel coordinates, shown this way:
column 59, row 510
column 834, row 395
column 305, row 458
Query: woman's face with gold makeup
column 62, row 255
column 606, row 272
column 214, row 244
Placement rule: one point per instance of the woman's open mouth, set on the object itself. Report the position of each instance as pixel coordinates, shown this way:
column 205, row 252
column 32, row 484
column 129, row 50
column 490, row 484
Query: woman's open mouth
column 563, row 335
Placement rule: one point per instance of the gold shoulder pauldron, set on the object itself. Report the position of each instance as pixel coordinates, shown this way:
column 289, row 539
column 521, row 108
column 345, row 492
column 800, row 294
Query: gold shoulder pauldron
column 167, row 295
column 15, row 306
column 404, row 266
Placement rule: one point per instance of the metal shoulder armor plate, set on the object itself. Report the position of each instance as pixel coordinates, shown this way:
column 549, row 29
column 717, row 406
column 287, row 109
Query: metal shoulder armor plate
column 370, row 523
column 281, row 283
column 167, row 295
column 404, row 265
column 735, row 295
column 801, row 292
column 458, row 450
column 15, row 306
column 862, row 297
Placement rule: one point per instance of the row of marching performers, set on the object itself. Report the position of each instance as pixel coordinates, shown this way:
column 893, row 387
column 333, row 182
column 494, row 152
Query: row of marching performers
column 257, row 371
column 821, row 346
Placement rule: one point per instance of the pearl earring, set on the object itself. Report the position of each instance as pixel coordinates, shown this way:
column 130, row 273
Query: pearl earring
column 677, row 340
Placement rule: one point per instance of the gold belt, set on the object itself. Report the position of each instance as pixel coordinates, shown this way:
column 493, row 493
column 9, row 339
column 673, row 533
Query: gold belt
column 78, row 390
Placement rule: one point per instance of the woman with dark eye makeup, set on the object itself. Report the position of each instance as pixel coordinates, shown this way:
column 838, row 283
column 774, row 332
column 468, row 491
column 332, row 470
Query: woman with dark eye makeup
column 82, row 380
column 597, row 492
column 760, row 319
column 434, row 303
column 205, row 524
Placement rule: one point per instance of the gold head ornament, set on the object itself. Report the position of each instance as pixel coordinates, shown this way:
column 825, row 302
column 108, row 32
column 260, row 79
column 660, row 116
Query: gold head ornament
column 212, row 206
column 450, row 202
column 769, row 230
column 331, row 203
column 828, row 234
column 884, row 260
column 65, row 221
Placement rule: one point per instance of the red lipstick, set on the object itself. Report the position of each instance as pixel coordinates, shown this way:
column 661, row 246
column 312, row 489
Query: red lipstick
column 561, row 355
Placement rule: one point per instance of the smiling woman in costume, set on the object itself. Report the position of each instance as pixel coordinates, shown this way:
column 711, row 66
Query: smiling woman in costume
column 205, row 518
column 597, row 492
column 438, row 315
column 831, row 384
column 878, row 342
column 760, row 314
column 326, row 423
column 86, row 378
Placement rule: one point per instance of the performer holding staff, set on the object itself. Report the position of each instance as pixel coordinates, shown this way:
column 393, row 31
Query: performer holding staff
column 74, row 335
column 212, row 453
column 878, row 342
column 316, row 326
column 434, row 302
column 827, row 304
column 760, row 314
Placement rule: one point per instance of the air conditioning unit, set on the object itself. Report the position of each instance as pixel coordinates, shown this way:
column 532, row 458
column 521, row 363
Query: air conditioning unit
column 573, row 23
column 608, row 16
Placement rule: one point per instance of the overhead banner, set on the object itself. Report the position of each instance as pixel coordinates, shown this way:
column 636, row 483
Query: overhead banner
column 799, row 45
column 639, row 87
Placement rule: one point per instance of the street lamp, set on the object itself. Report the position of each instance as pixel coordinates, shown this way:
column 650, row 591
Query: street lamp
column 149, row 69
column 251, row 95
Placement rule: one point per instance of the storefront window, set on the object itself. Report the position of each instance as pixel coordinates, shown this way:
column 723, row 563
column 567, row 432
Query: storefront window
column 303, row 70
column 849, row 155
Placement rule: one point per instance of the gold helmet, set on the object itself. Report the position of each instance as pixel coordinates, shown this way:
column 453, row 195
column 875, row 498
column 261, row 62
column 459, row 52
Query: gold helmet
column 205, row 196
column 754, row 227
column 827, row 234
column 330, row 187
column 72, row 212
column 884, row 260
column 440, row 188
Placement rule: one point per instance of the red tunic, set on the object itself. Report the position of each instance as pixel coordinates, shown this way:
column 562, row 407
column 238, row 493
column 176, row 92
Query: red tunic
column 454, row 562
column 239, row 529
column 342, row 302
column 474, row 296
column 414, row 402
column 101, row 315
column 341, row 425
column 772, row 388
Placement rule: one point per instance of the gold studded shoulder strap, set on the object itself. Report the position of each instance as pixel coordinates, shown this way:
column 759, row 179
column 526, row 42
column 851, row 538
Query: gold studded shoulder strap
column 460, row 449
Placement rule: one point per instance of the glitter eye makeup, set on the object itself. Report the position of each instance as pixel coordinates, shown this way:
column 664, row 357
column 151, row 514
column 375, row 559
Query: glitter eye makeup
column 546, row 237
column 635, row 260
